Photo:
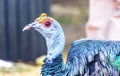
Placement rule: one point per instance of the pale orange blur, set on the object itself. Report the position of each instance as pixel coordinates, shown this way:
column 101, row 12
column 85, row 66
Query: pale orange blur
column 104, row 19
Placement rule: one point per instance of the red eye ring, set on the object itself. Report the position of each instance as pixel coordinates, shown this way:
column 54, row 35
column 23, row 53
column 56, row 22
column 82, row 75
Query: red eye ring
column 47, row 23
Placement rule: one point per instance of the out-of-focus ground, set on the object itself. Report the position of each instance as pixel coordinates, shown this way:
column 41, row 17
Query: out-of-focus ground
column 21, row 69
column 72, row 15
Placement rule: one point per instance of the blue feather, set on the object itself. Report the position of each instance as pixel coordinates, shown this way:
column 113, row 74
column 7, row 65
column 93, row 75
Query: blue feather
column 85, row 56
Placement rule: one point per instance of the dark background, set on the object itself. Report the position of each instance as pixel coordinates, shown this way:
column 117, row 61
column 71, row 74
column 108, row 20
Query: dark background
column 16, row 45
column 14, row 15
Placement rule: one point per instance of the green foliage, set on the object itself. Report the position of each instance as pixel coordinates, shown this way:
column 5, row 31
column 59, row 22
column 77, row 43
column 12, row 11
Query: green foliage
column 64, row 20
column 70, row 15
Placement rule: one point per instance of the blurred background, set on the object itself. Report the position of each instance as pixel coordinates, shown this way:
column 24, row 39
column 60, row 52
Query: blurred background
column 22, row 49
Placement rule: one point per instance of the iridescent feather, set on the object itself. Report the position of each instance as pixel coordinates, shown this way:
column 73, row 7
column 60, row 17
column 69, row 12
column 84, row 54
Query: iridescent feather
column 85, row 57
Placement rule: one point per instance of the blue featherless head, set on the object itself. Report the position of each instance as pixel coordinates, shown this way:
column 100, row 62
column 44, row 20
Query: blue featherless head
column 52, row 32
column 43, row 24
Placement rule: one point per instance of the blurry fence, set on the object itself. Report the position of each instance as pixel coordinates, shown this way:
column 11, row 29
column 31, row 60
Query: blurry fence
column 14, row 15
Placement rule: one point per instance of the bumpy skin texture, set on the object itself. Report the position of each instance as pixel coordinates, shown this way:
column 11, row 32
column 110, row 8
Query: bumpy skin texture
column 87, row 58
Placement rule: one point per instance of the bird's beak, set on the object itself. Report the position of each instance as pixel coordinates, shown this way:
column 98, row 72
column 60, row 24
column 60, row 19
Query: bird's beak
column 29, row 26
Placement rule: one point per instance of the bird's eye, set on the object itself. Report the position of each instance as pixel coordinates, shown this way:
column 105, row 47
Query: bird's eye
column 47, row 24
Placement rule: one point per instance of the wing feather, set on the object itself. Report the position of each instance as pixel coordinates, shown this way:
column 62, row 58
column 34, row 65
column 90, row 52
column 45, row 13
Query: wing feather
column 92, row 57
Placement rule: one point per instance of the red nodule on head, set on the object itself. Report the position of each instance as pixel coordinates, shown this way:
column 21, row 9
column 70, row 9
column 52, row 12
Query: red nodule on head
column 47, row 23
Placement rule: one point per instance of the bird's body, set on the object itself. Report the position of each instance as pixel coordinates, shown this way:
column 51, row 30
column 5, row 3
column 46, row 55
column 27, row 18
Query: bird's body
column 86, row 57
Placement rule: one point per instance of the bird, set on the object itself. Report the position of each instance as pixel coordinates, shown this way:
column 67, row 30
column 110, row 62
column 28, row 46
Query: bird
column 86, row 57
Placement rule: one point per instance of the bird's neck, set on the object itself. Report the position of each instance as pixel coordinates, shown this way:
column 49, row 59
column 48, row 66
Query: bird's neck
column 57, row 68
column 54, row 69
column 55, row 45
